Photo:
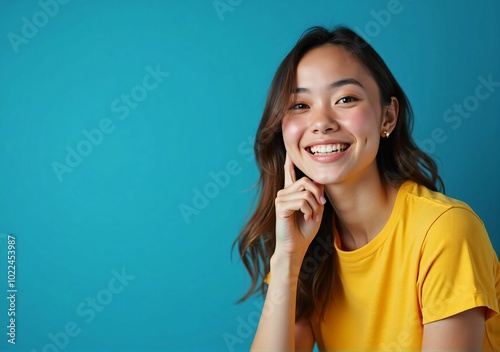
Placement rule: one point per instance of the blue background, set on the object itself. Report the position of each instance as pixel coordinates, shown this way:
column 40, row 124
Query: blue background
column 119, row 207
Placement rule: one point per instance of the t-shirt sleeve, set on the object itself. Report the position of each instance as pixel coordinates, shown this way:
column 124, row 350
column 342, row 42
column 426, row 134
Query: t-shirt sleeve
column 458, row 267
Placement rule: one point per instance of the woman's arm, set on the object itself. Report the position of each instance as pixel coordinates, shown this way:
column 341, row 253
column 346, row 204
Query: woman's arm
column 460, row 332
column 299, row 209
column 276, row 330
column 304, row 337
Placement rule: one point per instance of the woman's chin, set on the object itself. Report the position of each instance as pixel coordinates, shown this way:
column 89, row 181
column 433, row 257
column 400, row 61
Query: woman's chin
column 322, row 179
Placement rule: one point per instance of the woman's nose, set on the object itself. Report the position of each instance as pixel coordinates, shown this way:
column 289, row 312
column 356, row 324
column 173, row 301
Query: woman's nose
column 323, row 121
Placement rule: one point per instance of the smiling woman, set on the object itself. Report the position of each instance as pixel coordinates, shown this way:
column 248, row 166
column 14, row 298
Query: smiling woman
column 338, row 166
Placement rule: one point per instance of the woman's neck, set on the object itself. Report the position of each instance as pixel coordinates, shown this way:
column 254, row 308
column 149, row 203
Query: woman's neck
column 361, row 208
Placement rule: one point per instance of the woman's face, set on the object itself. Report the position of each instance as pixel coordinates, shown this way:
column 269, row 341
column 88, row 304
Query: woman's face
column 335, row 120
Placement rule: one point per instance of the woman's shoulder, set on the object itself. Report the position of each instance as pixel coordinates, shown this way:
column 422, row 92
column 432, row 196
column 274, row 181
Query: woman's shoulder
column 420, row 198
column 423, row 210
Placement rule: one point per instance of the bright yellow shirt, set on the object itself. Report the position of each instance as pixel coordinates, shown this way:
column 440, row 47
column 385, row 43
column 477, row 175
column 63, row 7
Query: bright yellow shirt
column 433, row 259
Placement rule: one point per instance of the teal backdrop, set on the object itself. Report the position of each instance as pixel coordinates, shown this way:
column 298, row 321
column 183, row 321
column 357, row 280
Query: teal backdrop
column 126, row 133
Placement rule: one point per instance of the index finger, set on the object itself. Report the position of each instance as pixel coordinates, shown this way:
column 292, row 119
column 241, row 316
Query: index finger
column 290, row 177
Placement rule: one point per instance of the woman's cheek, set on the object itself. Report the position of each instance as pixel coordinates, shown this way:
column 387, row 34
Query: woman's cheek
column 361, row 122
column 293, row 130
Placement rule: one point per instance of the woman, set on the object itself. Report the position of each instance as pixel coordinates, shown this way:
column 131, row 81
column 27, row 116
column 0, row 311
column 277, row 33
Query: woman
column 358, row 248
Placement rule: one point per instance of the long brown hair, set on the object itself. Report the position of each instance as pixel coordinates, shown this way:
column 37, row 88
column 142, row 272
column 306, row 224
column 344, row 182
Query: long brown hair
column 398, row 159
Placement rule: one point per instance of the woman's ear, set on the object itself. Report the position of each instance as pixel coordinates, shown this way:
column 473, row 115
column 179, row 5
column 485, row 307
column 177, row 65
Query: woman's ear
column 390, row 116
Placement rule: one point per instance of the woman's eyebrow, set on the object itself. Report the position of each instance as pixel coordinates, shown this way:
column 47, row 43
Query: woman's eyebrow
column 344, row 82
column 336, row 84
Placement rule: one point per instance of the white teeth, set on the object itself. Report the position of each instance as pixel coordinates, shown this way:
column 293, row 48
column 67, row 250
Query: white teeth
column 328, row 148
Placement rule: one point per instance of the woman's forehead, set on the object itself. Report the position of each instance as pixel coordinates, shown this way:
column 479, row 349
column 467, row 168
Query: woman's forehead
column 327, row 65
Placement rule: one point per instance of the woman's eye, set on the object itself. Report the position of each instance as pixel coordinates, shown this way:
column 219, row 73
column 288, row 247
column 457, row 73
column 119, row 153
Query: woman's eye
column 346, row 100
column 299, row 106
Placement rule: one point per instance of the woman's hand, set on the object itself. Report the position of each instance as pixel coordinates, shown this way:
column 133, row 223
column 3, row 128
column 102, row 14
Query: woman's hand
column 299, row 210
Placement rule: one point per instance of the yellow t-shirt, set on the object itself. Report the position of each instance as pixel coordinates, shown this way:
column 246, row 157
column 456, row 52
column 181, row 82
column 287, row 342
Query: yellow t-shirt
column 433, row 259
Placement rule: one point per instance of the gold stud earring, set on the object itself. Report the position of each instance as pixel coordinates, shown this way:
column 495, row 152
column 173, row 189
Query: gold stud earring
column 386, row 134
